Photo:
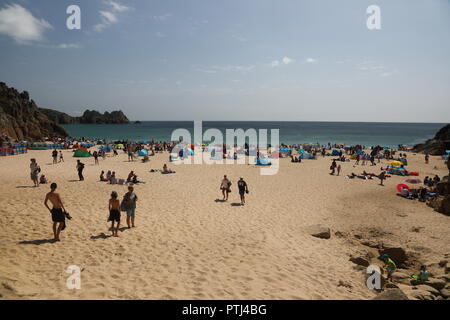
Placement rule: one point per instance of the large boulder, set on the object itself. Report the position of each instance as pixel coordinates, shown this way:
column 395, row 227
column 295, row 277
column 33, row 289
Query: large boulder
column 319, row 231
column 391, row 294
column 438, row 144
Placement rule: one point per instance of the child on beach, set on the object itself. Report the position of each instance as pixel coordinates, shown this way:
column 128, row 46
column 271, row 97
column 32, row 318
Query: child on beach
column 129, row 205
column 390, row 265
column 61, row 157
column 34, row 172
column 114, row 213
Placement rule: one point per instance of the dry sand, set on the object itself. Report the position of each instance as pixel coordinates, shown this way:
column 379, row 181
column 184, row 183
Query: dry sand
column 188, row 246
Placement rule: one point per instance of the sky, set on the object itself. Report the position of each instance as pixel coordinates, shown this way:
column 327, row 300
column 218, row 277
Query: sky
column 311, row 60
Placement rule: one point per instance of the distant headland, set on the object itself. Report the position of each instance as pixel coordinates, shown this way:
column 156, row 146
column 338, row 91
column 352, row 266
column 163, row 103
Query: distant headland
column 22, row 119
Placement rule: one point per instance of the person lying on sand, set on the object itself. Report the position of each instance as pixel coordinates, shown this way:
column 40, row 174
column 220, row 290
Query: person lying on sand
column 114, row 213
column 58, row 211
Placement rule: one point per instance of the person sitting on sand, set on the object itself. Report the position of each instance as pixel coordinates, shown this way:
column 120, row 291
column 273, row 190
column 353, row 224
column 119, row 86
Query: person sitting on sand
column 42, row 179
column 102, row 176
column 112, row 179
column 145, row 159
column 166, row 170
column 423, row 273
column 58, row 211
column 108, row 175
column 130, row 176
column 225, row 187
column 114, row 213
column 390, row 265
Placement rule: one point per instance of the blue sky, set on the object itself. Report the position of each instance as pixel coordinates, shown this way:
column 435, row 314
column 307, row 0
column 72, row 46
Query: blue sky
column 232, row 59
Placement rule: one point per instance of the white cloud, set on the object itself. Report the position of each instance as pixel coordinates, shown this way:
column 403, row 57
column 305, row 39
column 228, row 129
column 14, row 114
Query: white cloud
column 162, row 17
column 68, row 46
column 240, row 38
column 160, row 34
column 109, row 17
column 287, row 60
column 117, row 7
column 275, row 63
column 311, row 60
column 20, row 24
column 234, row 68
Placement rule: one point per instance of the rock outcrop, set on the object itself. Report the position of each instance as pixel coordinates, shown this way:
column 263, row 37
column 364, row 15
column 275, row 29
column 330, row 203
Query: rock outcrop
column 21, row 119
column 437, row 145
column 89, row 117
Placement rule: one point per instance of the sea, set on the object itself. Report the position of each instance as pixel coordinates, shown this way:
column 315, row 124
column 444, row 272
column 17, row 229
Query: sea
column 290, row 132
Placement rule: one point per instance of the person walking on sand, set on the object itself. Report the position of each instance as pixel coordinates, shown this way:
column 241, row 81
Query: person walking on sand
column 61, row 157
column 427, row 158
column 34, row 172
column 95, row 154
column 382, row 177
column 338, row 169
column 58, row 211
column 243, row 189
column 55, row 156
column 129, row 205
column 333, row 167
column 80, row 168
column 114, row 213
column 225, row 187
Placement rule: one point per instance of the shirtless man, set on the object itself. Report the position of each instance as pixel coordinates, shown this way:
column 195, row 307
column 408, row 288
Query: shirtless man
column 58, row 211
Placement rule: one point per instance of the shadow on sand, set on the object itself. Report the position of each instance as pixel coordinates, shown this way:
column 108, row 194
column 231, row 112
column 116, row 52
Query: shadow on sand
column 25, row 187
column 236, row 204
column 220, row 200
column 37, row 242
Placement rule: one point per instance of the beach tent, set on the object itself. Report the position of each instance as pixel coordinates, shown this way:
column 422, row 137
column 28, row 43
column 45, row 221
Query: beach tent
column 191, row 152
column 119, row 146
column 142, row 152
column 80, row 153
column 262, row 162
column 105, row 148
column 396, row 170
column 335, row 152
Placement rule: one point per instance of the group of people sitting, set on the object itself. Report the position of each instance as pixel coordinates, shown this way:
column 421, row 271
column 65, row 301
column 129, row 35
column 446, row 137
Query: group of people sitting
column 421, row 194
column 111, row 178
column 431, row 182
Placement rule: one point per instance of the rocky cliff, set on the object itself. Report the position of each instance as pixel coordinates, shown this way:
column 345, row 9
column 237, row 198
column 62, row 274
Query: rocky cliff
column 21, row 119
column 438, row 144
column 89, row 116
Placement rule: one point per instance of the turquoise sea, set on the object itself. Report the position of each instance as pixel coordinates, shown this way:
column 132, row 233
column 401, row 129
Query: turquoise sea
column 291, row 132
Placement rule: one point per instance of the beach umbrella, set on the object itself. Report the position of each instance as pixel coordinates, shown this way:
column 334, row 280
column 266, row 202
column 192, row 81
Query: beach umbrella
column 414, row 180
column 396, row 163
column 402, row 186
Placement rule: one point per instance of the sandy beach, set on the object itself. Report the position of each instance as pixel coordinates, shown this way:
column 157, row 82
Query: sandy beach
column 187, row 245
